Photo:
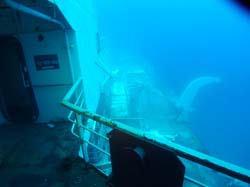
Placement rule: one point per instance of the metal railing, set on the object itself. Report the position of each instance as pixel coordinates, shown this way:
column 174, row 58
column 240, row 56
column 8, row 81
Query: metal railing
column 77, row 107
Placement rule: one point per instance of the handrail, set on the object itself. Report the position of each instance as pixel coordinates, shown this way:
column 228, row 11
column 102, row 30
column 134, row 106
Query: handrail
column 88, row 129
column 86, row 141
column 182, row 151
column 76, row 103
column 69, row 94
column 103, row 151
column 195, row 182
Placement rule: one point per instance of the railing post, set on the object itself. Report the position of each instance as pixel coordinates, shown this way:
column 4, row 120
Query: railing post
column 83, row 145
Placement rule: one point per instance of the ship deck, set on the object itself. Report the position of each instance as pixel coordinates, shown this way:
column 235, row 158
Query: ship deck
column 39, row 155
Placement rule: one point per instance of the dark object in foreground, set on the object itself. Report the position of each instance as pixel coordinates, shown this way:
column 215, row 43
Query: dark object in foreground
column 138, row 163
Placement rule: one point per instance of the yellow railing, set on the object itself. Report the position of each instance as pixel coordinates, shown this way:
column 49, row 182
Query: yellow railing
column 182, row 151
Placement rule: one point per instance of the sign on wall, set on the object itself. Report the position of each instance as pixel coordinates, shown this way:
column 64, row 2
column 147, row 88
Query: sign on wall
column 46, row 62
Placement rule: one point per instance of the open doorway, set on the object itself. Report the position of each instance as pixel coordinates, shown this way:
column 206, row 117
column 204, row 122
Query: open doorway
column 17, row 100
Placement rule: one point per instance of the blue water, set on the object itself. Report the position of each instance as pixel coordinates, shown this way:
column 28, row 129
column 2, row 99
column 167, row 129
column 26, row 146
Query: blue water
column 178, row 41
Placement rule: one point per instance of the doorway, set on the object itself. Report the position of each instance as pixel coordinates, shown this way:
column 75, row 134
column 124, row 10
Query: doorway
column 17, row 99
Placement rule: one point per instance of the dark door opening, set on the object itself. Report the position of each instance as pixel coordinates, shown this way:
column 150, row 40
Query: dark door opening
column 17, row 100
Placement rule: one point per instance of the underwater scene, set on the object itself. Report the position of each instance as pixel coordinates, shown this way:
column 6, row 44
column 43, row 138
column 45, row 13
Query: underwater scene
column 180, row 71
